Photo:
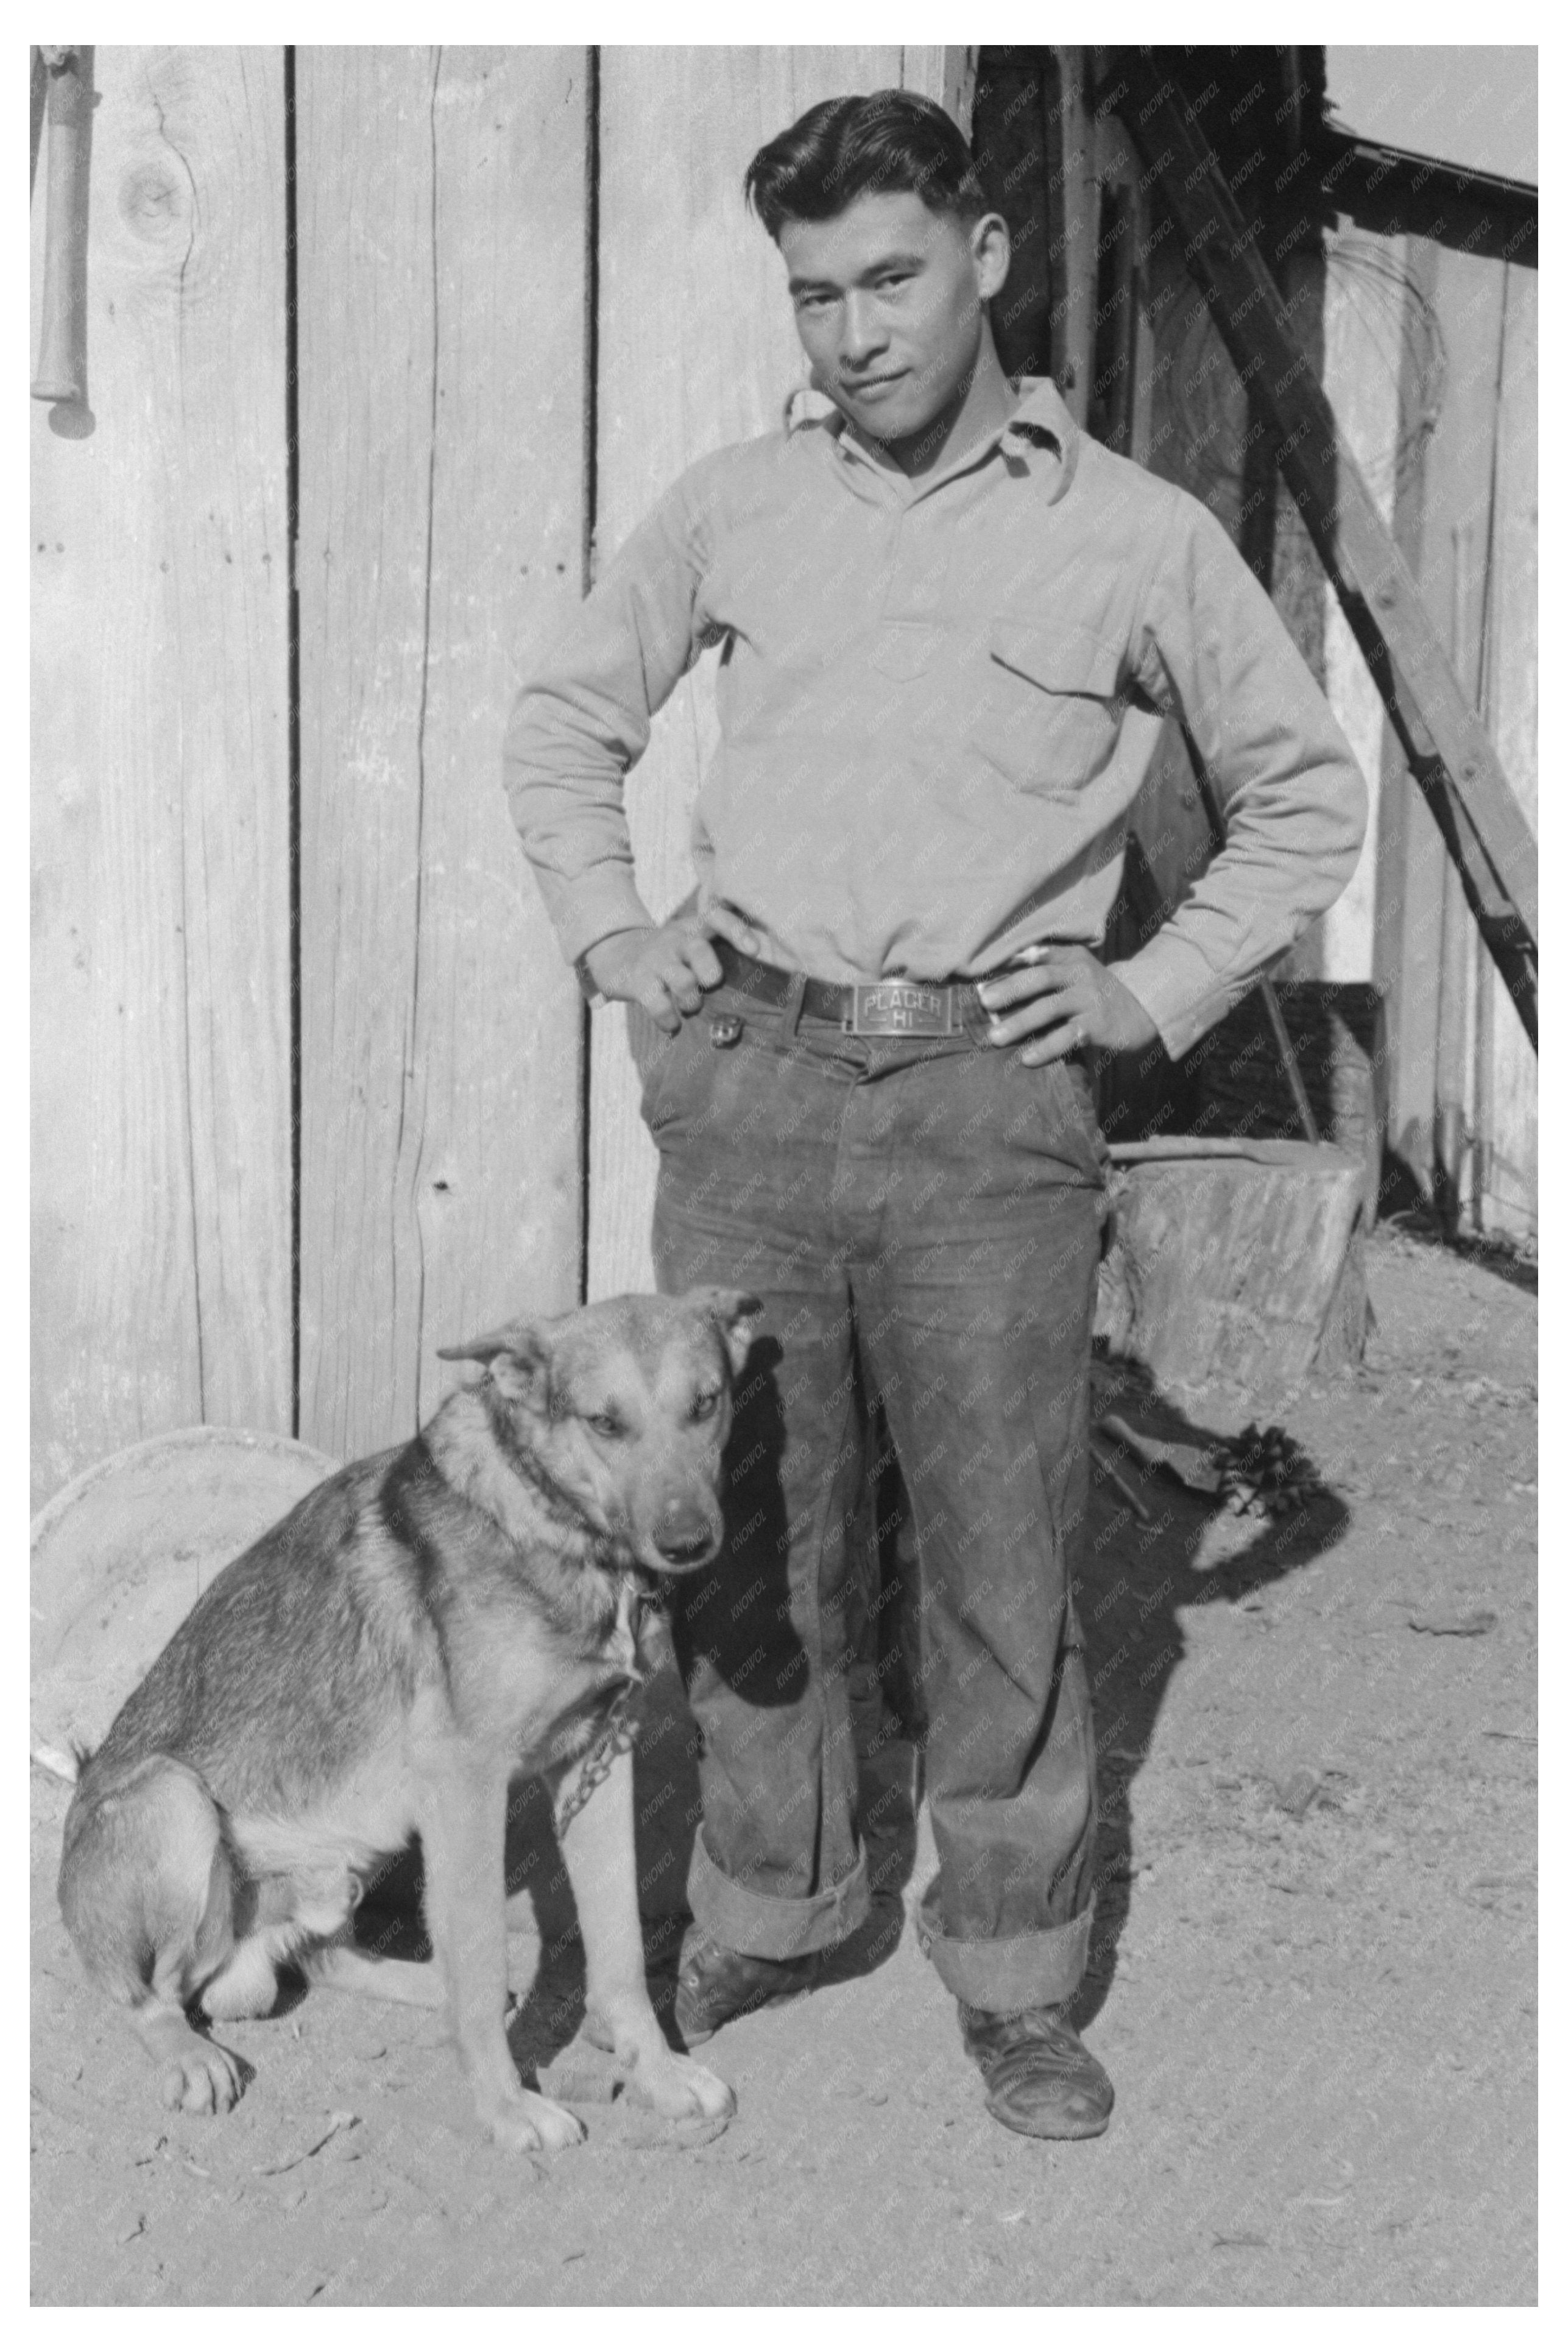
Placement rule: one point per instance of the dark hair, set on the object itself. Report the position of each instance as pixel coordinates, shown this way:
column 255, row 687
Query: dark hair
column 881, row 144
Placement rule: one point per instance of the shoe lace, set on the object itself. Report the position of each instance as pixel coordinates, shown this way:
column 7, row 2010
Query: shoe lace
column 1001, row 2034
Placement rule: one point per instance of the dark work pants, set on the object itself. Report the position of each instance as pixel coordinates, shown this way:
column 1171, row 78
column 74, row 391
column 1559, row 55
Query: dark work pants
column 921, row 1219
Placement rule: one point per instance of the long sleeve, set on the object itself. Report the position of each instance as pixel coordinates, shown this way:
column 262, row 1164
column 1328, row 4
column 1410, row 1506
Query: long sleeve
column 1212, row 646
column 581, row 719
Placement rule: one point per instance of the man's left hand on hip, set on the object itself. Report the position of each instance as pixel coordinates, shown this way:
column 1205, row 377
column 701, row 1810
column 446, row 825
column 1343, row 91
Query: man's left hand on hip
column 1064, row 1000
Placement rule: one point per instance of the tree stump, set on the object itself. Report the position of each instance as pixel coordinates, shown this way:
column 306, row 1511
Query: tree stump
column 1234, row 1263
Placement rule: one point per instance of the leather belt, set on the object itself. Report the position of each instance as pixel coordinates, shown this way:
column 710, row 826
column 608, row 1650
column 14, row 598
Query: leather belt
column 881, row 1008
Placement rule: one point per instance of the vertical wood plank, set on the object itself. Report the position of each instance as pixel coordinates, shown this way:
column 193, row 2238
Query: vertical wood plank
column 1466, row 293
column 442, row 292
column 162, row 1236
column 1508, row 1144
column 697, row 348
column 1361, row 379
column 1397, row 795
column 1456, row 1074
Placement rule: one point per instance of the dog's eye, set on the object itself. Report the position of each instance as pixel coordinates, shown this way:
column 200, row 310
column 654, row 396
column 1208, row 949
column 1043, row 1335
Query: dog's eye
column 606, row 1424
column 704, row 1407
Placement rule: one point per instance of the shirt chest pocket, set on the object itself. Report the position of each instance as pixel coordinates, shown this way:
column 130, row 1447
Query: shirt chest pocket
column 1048, row 710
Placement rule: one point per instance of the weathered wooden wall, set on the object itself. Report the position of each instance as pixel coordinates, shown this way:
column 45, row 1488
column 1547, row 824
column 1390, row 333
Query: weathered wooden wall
column 456, row 1154
column 697, row 347
column 160, row 735
column 442, row 289
column 200, row 1253
column 1431, row 365
column 1507, row 1171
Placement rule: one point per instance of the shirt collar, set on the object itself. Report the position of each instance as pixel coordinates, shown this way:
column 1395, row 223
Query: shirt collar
column 1042, row 414
column 1042, row 418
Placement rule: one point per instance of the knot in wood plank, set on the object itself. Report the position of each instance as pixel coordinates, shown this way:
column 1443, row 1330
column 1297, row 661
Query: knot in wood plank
column 155, row 201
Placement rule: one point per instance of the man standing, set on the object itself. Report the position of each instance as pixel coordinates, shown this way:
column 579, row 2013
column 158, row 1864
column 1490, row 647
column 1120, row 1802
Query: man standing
column 948, row 624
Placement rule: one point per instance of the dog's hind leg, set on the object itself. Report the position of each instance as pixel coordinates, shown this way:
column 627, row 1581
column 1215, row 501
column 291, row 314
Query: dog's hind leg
column 285, row 1912
column 146, row 1889
column 246, row 1985
column 340, row 1968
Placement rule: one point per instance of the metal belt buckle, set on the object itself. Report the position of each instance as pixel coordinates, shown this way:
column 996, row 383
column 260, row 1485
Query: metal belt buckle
column 901, row 1008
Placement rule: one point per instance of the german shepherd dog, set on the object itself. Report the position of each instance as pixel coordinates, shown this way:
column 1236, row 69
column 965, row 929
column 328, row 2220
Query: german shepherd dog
column 422, row 1628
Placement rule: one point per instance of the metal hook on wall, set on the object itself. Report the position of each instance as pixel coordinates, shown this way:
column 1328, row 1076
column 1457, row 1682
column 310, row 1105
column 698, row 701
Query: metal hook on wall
column 62, row 375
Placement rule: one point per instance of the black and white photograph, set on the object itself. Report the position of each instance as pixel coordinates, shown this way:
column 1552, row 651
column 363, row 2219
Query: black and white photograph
column 783, row 1161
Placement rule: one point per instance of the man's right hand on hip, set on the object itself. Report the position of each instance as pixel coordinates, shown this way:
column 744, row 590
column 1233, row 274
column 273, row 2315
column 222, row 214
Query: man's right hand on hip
column 665, row 968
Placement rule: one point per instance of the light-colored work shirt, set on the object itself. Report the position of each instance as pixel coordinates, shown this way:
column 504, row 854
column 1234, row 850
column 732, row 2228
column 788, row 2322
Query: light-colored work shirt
column 937, row 699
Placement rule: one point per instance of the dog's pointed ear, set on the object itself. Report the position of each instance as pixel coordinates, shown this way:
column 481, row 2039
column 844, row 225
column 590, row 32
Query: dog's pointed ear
column 517, row 1357
column 735, row 1313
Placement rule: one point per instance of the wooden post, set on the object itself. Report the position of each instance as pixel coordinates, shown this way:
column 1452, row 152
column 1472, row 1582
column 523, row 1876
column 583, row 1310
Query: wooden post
column 1121, row 246
column 160, row 560
column 1008, row 137
column 442, row 207
column 1074, row 230
column 1446, row 746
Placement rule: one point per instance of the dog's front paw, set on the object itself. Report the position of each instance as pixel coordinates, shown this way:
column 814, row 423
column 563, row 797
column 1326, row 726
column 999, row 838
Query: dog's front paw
column 204, row 2080
column 524, row 2123
column 678, row 2087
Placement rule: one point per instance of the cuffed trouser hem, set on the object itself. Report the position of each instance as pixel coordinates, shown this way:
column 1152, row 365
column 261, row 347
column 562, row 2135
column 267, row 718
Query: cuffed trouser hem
column 1006, row 1973
column 774, row 1926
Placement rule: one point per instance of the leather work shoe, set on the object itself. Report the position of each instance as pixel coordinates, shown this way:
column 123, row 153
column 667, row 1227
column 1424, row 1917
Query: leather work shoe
column 716, row 1984
column 1039, row 2078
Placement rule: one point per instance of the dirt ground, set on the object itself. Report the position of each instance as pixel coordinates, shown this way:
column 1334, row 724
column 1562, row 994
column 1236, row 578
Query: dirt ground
column 1313, row 1982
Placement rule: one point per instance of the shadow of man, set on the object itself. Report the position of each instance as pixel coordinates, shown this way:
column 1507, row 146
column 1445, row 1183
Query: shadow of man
column 1130, row 1576
column 1130, row 1579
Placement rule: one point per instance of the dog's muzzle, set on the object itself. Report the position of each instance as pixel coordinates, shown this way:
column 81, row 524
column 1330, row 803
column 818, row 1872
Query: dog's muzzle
column 684, row 1540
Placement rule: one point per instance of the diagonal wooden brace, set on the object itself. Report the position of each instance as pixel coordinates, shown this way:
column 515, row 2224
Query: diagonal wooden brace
column 1447, row 749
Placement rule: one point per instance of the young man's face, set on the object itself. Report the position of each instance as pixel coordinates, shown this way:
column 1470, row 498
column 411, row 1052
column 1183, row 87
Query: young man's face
column 887, row 298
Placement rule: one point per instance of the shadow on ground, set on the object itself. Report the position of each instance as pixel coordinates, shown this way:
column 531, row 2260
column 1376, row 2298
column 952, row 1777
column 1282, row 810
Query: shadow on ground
column 1131, row 1577
column 1132, row 1580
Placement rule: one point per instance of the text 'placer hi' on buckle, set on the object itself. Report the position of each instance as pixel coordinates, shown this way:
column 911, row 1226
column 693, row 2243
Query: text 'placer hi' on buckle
column 901, row 1008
